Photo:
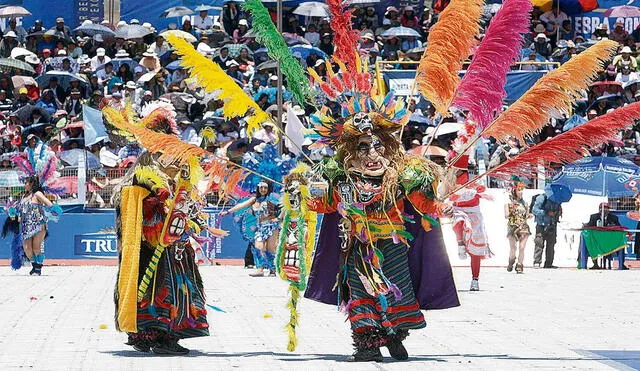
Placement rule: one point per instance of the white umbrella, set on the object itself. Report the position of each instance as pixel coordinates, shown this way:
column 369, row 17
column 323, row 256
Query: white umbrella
column 312, row 9
column 445, row 128
column 179, row 33
column 203, row 8
column 20, row 52
column 14, row 11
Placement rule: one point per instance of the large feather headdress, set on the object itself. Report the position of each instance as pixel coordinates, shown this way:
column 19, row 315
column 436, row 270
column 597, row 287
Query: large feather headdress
column 359, row 112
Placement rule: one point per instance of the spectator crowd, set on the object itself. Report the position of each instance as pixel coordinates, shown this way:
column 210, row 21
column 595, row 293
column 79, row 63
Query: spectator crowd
column 49, row 73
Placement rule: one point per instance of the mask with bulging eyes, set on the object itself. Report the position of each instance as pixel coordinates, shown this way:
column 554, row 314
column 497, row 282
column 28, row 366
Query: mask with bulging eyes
column 362, row 122
column 295, row 196
column 369, row 156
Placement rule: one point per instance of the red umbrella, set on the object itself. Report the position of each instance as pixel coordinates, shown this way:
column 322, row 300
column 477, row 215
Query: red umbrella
column 70, row 184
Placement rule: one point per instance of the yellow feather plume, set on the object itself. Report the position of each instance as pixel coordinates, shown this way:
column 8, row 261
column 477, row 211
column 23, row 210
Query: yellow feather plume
column 293, row 317
column 150, row 177
column 552, row 95
column 212, row 78
column 448, row 45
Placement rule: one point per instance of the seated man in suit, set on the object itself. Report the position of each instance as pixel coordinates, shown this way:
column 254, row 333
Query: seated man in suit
column 603, row 218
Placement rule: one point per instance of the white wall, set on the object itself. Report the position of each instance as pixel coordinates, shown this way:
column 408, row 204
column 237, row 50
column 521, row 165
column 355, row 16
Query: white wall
column 574, row 214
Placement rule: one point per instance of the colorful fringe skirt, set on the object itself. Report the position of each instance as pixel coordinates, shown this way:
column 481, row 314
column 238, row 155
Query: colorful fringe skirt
column 174, row 304
column 365, row 310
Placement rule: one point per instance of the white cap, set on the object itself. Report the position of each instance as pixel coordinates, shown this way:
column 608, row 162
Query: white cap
column 10, row 34
column 104, row 22
column 273, row 78
column 62, row 52
column 319, row 62
column 134, row 21
column 121, row 23
column 217, row 24
column 626, row 49
column 146, row 24
column 233, row 63
column 98, row 38
column 130, row 85
column 100, row 52
column 541, row 36
column 86, row 22
column 243, row 22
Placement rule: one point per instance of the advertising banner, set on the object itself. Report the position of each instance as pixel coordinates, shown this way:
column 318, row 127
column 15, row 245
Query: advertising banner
column 518, row 82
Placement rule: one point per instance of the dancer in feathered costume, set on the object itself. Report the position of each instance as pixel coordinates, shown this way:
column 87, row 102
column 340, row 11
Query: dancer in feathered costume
column 28, row 218
column 159, row 294
column 373, row 191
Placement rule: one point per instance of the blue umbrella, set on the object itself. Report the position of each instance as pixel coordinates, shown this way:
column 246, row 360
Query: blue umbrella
column 600, row 176
column 401, row 32
column 306, row 50
column 175, row 65
column 573, row 121
column 63, row 78
column 558, row 193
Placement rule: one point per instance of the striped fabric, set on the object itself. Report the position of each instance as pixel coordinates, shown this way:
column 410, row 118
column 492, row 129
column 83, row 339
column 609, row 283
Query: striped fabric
column 365, row 311
column 178, row 303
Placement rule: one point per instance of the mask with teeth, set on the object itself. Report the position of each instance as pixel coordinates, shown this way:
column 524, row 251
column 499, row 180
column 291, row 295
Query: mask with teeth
column 368, row 156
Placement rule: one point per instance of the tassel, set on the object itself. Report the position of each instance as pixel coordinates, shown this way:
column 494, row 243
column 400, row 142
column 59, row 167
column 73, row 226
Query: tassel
column 217, row 309
column 379, row 255
column 152, row 311
column 394, row 236
column 383, row 302
column 397, row 294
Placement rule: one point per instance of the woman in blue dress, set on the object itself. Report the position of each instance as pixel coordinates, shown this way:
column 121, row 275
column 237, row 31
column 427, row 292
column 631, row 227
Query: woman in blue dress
column 34, row 211
column 265, row 206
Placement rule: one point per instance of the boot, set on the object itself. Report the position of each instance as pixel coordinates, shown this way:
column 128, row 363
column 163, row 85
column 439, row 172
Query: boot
column 38, row 269
column 511, row 262
column 33, row 268
column 519, row 268
column 169, row 347
column 475, row 285
column 367, row 346
column 395, row 347
column 366, row 355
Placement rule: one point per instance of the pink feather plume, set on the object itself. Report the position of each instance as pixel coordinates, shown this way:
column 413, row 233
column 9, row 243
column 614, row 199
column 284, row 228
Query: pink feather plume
column 49, row 169
column 481, row 90
column 23, row 164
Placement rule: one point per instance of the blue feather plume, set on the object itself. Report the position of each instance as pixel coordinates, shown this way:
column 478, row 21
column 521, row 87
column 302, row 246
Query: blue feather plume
column 17, row 255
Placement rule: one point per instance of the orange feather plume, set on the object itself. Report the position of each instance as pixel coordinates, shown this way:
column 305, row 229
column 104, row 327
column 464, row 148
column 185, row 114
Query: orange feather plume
column 554, row 94
column 170, row 147
column 448, row 45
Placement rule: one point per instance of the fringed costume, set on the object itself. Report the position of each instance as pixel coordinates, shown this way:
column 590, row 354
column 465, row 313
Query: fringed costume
column 370, row 192
column 159, row 293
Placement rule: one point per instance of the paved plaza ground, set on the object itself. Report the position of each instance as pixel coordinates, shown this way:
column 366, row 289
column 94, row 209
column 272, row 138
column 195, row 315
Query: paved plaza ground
column 549, row 319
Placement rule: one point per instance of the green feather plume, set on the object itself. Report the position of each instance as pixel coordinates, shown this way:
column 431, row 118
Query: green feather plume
column 268, row 34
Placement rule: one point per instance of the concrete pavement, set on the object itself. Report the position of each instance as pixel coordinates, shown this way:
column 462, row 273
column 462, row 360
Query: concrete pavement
column 551, row 319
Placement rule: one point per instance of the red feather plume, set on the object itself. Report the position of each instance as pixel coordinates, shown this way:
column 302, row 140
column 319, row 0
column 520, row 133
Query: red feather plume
column 345, row 38
column 569, row 146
